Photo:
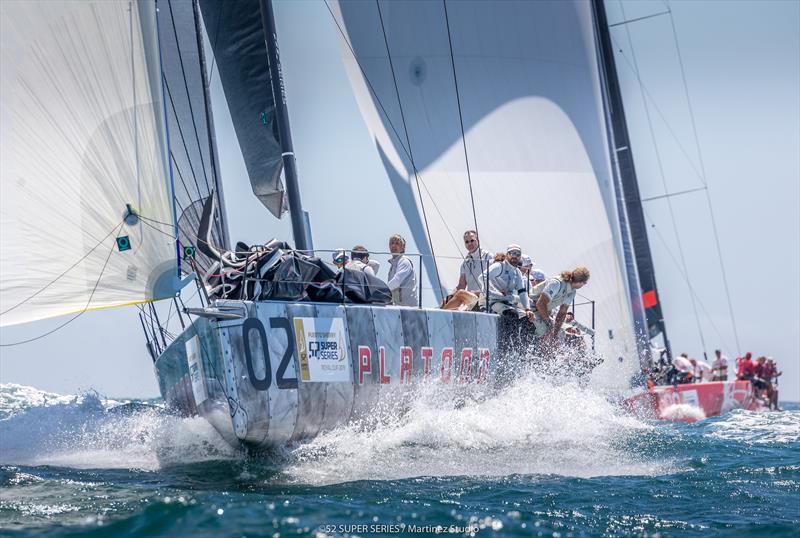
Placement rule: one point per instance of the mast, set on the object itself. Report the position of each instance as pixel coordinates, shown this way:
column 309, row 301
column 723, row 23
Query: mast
column 302, row 236
column 212, row 141
column 627, row 175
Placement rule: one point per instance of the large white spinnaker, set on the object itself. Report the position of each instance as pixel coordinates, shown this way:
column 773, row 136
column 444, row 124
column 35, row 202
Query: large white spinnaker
column 527, row 89
column 83, row 138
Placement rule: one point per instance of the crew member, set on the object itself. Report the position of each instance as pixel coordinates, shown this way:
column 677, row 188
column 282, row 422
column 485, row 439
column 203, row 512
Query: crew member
column 746, row 368
column 507, row 291
column 525, row 267
column 760, row 380
column 360, row 261
column 556, row 292
column 771, row 375
column 719, row 368
column 475, row 264
column 402, row 279
column 537, row 277
column 340, row 258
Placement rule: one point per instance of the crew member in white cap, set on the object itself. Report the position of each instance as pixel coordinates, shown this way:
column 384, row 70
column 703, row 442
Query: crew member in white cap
column 525, row 267
column 537, row 277
column 507, row 291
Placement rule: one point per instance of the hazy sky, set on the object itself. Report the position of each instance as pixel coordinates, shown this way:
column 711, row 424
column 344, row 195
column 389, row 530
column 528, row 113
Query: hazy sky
column 742, row 67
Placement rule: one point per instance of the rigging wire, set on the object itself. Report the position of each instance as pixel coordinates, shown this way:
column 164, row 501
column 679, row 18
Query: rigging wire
column 389, row 120
column 85, row 308
column 188, row 95
column 189, row 235
column 663, row 180
column 671, row 194
column 214, row 46
column 461, row 122
column 408, row 141
column 68, row 269
column 658, row 110
column 186, row 189
column 688, row 281
column 704, row 179
column 183, row 140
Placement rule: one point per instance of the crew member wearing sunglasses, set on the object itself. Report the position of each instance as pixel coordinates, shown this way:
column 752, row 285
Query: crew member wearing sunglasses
column 340, row 258
column 507, row 290
column 475, row 263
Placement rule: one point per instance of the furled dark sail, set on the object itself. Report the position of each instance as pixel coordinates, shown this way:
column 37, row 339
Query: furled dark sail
column 237, row 38
column 190, row 125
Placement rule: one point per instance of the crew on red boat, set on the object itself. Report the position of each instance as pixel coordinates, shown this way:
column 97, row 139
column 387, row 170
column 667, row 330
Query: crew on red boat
column 719, row 368
column 760, row 380
column 746, row 367
column 771, row 374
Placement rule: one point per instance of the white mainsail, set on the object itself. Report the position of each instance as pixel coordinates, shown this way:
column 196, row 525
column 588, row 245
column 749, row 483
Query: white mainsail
column 83, row 137
column 527, row 87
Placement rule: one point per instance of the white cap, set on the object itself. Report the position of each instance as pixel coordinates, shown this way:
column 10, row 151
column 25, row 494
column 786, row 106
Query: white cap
column 512, row 246
column 538, row 275
column 339, row 253
column 526, row 261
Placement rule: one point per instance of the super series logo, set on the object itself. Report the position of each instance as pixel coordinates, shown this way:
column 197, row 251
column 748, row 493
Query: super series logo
column 321, row 349
column 325, row 346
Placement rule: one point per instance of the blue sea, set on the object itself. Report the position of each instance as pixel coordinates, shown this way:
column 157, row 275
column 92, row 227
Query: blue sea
column 534, row 460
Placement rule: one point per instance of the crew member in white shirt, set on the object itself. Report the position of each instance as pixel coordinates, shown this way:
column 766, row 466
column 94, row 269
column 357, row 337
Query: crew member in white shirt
column 402, row 278
column 507, row 290
column 475, row 264
column 556, row 293
column 719, row 368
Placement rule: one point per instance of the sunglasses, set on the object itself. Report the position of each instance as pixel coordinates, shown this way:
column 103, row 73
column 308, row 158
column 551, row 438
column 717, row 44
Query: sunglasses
column 514, row 253
column 468, row 241
column 339, row 260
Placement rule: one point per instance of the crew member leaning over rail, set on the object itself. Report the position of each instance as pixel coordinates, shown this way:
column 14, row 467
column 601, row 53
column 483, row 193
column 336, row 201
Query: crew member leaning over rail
column 556, row 292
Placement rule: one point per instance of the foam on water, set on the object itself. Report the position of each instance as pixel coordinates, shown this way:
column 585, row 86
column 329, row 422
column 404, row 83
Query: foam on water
column 683, row 412
column 774, row 428
column 532, row 427
column 84, row 431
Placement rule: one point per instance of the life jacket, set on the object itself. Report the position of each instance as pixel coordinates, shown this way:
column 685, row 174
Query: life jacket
column 406, row 293
column 356, row 265
column 505, row 281
column 474, row 267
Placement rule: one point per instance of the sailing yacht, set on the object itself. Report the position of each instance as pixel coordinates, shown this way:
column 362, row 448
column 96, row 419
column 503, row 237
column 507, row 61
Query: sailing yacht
column 502, row 117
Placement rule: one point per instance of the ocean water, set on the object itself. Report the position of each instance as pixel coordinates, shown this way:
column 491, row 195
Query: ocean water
column 534, row 460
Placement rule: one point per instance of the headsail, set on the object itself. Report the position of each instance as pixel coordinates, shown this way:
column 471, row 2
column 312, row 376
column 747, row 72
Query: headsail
column 83, row 140
column 523, row 80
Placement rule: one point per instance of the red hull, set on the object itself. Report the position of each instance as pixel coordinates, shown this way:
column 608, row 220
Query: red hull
column 692, row 402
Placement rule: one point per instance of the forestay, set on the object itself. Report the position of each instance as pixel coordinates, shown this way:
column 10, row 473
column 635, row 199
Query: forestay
column 83, row 137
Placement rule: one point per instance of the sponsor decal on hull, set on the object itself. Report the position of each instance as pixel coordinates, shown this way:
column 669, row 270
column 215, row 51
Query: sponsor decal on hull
column 321, row 350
